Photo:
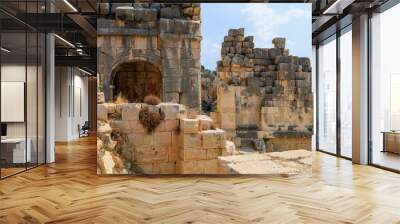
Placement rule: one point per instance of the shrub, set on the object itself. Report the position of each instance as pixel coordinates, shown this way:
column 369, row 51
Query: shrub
column 152, row 99
column 150, row 119
column 120, row 99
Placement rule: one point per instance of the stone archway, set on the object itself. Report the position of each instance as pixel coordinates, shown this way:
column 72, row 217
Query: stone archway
column 135, row 80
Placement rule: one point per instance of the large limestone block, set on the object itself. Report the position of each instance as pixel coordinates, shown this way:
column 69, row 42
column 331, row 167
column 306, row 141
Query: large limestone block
column 168, row 125
column 102, row 112
column 192, row 141
column 228, row 121
column 130, row 112
column 193, row 154
column 236, row 32
column 237, row 61
column 118, row 107
column 137, row 127
column 279, row 42
column 274, row 52
column 189, row 125
column 141, row 139
column 165, row 168
column 191, row 167
column 146, row 154
column 287, row 67
column 205, row 122
column 226, row 99
column 260, row 53
column 170, row 110
column 173, row 153
column 213, row 153
column 163, row 139
column 213, row 138
column 215, row 117
column 210, row 166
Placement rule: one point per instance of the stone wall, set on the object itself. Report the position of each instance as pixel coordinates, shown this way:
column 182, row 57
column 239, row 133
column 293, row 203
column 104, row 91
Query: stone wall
column 165, row 35
column 263, row 93
column 179, row 145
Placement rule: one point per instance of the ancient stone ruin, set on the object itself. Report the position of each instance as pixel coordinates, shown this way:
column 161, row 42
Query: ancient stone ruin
column 264, row 97
column 150, row 48
column 177, row 145
column 151, row 51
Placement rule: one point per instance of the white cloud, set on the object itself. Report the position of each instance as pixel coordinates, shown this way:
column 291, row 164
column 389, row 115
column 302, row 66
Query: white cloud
column 265, row 21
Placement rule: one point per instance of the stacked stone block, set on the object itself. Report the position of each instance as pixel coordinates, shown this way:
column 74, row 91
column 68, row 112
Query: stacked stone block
column 202, row 144
column 178, row 145
column 144, row 152
column 165, row 35
column 263, row 92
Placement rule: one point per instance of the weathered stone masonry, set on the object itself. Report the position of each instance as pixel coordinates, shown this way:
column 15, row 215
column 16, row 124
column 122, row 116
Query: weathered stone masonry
column 178, row 145
column 135, row 39
column 152, row 48
column 264, row 94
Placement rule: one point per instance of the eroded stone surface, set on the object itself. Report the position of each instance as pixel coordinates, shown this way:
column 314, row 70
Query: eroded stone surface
column 287, row 162
column 151, row 48
column 178, row 145
column 265, row 92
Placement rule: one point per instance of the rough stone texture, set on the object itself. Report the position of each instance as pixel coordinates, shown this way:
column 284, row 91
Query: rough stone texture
column 287, row 163
column 151, row 48
column 184, row 146
column 263, row 93
column 178, row 145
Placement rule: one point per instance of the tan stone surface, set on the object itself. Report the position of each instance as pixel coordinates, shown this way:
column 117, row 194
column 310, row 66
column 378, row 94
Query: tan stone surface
column 130, row 112
column 151, row 154
column 265, row 163
column 213, row 138
column 193, row 154
column 192, row 141
column 189, row 125
column 205, row 122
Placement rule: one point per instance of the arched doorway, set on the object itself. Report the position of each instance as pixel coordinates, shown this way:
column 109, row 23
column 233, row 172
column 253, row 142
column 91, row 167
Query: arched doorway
column 135, row 80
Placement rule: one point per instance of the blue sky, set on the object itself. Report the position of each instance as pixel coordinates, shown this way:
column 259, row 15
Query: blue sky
column 262, row 20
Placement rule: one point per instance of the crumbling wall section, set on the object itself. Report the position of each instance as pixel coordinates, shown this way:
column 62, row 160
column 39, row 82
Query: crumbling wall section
column 178, row 145
column 263, row 93
column 166, row 35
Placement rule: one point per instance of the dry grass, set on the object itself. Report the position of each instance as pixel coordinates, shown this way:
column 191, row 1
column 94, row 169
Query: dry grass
column 150, row 119
column 120, row 99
